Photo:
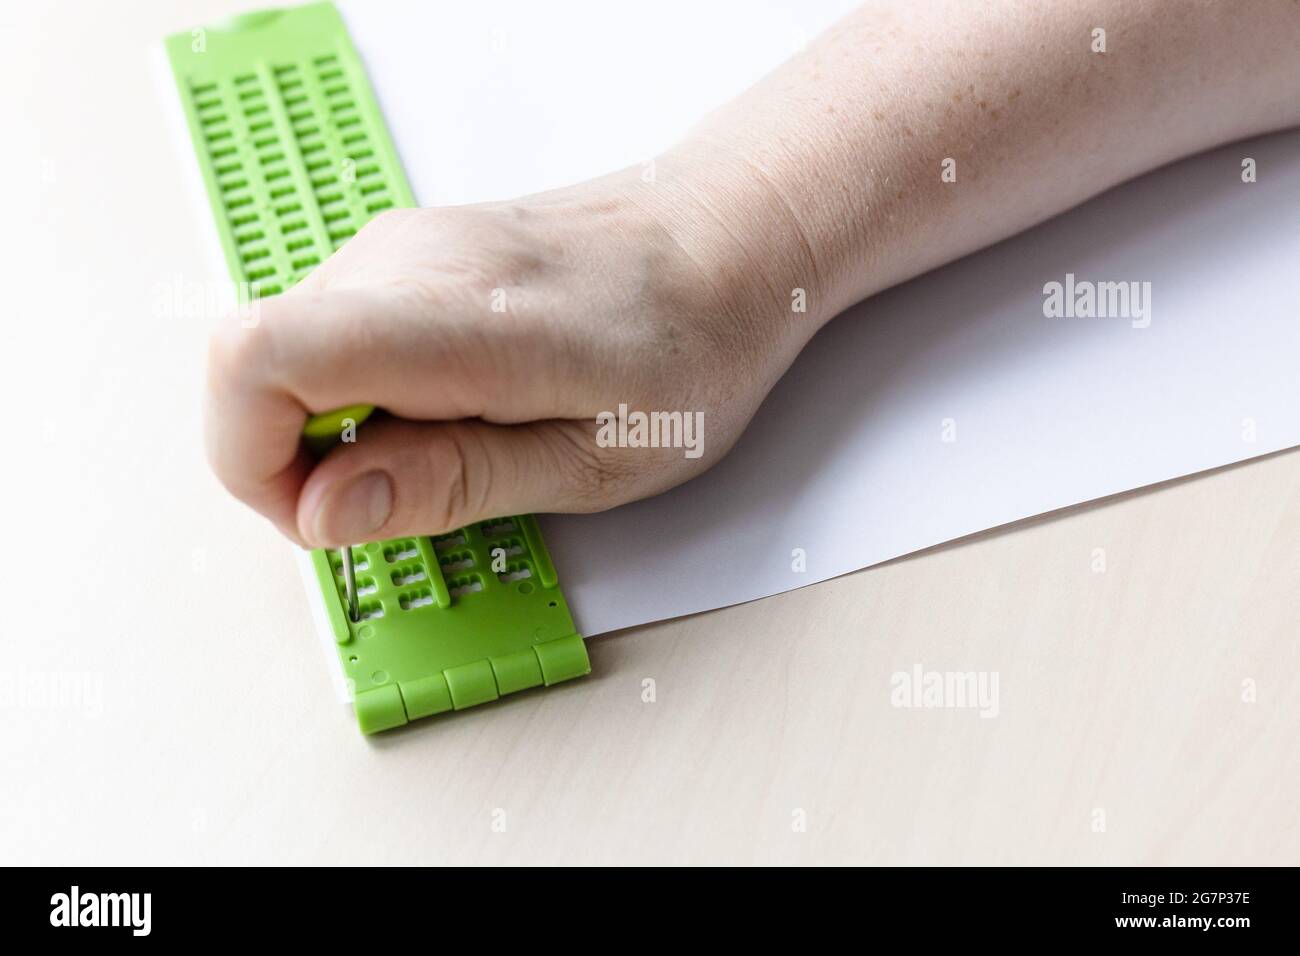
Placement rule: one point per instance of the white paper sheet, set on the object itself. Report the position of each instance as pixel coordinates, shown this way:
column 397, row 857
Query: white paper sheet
column 846, row 460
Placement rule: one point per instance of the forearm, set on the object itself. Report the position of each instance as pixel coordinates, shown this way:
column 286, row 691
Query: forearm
column 828, row 175
column 677, row 291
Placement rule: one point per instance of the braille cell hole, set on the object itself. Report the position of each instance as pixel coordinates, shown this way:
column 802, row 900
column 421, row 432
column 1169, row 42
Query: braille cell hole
column 552, row 604
column 453, row 540
column 512, row 547
column 359, row 563
column 413, row 599
column 469, row 584
column 505, row 526
column 525, row 588
column 353, row 659
column 411, row 574
column 370, row 611
column 400, row 551
column 456, row 561
column 365, row 587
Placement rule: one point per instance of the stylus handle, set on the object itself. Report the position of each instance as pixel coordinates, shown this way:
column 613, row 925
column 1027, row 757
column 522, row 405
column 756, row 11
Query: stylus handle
column 323, row 430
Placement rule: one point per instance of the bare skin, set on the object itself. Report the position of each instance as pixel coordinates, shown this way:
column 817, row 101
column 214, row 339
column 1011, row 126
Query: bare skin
column 676, row 295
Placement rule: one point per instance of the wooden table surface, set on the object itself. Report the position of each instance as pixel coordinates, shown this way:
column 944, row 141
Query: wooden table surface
column 165, row 700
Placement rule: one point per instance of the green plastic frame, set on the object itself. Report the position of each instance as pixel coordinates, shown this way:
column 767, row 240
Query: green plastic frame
column 296, row 158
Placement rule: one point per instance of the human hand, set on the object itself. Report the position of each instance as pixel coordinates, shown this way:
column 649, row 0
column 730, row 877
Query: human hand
column 493, row 336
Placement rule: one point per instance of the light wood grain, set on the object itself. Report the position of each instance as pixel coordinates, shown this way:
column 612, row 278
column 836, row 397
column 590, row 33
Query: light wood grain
column 218, row 740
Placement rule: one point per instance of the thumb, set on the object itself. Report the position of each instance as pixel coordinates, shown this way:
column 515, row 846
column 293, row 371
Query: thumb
column 418, row 478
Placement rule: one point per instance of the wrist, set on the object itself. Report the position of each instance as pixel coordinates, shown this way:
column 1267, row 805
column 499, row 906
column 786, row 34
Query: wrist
column 741, row 236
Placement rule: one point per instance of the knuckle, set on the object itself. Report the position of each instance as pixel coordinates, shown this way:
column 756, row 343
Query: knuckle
column 243, row 343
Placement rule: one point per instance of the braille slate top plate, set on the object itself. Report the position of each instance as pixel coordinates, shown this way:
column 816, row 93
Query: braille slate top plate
column 295, row 158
